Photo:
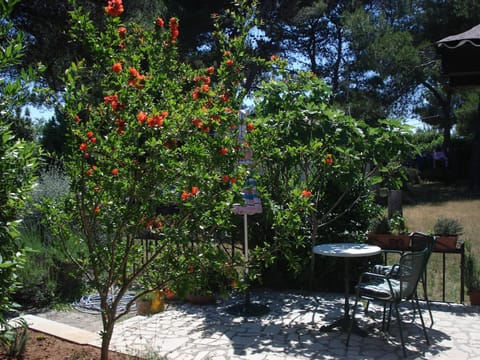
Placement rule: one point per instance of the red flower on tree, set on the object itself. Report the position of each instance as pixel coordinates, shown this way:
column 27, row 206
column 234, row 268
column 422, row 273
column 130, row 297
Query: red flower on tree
column 250, row 126
column 112, row 100
column 83, row 147
column 185, row 195
column 142, row 117
column 136, row 79
column 306, row 193
column 229, row 62
column 169, row 293
column 117, row 68
column 329, row 159
column 160, row 23
column 223, row 151
column 114, row 171
column 210, row 70
column 157, row 120
column 197, row 122
column 225, row 97
column 196, row 93
column 174, row 29
column 122, row 32
column 114, row 8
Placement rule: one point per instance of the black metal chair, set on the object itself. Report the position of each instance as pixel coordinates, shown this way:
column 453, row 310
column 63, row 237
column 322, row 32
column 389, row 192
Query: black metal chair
column 418, row 242
column 394, row 291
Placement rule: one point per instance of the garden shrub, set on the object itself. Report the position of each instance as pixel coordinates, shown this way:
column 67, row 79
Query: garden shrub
column 317, row 167
column 17, row 163
column 48, row 276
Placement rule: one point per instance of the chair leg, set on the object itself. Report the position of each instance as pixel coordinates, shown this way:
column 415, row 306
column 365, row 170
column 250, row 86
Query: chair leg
column 383, row 315
column 423, row 280
column 389, row 315
column 399, row 319
column 424, row 283
column 421, row 319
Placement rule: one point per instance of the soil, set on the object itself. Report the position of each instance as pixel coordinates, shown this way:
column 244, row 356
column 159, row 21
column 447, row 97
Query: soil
column 42, row 346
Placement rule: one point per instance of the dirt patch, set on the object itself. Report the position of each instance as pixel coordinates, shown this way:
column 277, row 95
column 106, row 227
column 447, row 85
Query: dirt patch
column 42, row 346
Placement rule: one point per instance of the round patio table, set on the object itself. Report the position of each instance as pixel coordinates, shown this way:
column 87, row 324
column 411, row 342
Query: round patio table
column 346, row 251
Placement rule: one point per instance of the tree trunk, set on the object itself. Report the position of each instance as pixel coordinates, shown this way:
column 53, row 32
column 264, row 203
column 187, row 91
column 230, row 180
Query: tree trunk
column 108, row 321
column 108, row 324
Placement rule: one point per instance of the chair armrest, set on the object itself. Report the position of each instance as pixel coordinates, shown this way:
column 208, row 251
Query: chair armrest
column 371, row 275
column 377, row 276
column 394, row 270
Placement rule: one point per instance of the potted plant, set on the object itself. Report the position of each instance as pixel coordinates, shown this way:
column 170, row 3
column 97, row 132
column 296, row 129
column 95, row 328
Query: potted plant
column 446, row 231
column 150, row 302
column 472, row 275
column 389, row 233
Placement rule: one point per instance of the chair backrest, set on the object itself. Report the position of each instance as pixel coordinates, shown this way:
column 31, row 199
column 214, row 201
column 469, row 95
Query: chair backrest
column 410, row 270
column 420, row 241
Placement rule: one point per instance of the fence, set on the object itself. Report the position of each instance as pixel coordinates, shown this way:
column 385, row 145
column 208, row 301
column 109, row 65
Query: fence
column 446, row 246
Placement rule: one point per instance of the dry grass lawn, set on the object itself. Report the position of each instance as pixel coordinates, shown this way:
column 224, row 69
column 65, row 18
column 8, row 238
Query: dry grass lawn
column 423, row 205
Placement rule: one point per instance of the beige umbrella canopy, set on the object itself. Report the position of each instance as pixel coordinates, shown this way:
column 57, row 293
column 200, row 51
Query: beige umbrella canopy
column 460, row 55
column 461, row 63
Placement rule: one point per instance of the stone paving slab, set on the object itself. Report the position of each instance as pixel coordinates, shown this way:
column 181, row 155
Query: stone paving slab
column 291, row 330
column 67, row 332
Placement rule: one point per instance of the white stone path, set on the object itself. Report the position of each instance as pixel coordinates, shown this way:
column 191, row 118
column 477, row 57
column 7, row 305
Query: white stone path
column 291, row 330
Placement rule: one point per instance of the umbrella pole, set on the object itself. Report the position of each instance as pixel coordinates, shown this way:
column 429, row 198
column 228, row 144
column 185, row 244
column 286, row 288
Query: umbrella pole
column 245, row 239
column 245, row 244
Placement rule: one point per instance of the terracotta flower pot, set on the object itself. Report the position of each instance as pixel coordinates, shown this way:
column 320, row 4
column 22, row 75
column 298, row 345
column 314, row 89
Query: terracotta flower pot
column 446, row 243
column 474, row 296
column 151, row 306
column 201, row 299
column 390, row 241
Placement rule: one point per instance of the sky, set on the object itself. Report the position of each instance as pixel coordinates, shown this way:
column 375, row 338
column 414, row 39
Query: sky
column 45, row 114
